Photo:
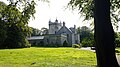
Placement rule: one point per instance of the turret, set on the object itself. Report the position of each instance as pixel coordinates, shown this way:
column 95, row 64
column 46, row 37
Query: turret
column 74, row 26
column 54, row 26
column 56, row 21
column 50, row 22
column 75, row 29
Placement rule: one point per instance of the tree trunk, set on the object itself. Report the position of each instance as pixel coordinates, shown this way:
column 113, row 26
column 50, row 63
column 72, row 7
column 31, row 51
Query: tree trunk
column 104, row 35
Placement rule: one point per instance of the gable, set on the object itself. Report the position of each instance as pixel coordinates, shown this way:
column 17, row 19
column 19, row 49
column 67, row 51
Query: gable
column 65, row 30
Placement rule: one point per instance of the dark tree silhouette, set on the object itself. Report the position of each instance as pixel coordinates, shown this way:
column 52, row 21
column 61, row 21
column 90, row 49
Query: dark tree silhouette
column 104, row 35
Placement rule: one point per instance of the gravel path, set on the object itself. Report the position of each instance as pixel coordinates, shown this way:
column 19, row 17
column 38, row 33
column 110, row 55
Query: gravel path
column 88, row 48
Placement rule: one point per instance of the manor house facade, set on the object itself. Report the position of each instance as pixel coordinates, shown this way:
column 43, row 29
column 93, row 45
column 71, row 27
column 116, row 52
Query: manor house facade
column 57, row 35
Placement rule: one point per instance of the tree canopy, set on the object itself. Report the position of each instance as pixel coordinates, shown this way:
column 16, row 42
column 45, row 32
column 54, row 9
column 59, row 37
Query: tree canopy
column 86, row 9
column 86, row 36
column 14, row 19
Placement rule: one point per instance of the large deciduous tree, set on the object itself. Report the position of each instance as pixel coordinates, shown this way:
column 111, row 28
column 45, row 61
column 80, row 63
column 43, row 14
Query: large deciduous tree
column 14, row 18
column 86, row 36
column 2, row 24
column 104, row 33
column 86, row 9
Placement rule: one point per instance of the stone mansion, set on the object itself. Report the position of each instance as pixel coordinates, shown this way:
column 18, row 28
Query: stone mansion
column 57, row 35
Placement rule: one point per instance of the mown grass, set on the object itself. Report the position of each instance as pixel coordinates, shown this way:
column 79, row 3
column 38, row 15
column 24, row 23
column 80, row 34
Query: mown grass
column 47, row 57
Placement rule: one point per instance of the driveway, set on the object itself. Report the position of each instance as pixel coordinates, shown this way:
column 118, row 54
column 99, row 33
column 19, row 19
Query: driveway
column 89, row 48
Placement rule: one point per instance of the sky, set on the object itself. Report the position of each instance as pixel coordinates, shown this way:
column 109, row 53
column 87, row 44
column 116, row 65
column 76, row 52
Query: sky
column 53, row 10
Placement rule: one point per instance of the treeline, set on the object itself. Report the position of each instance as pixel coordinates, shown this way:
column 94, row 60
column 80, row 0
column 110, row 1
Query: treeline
column 87, row 37
column 38, row 32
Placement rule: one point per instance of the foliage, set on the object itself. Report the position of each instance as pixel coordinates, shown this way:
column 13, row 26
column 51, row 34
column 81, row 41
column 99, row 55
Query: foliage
column 86, row 36
column 2, row 25
column 84, row 32
column 86, row 8
column 76, row 46
column 117, row 40
column 15, row 19
column 15, row 38
column 44, row 31
column 104, row 33
column 87, row 42
column 2, row 32
column 117, row 51
column 47, row 57
column 35, row 32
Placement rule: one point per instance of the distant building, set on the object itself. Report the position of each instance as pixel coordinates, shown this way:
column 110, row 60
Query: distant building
column 57, row 36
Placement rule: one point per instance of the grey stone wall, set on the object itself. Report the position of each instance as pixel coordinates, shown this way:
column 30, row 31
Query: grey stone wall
column 38, row 42
column 54, row 40
column 77, row 39
column 54, row 27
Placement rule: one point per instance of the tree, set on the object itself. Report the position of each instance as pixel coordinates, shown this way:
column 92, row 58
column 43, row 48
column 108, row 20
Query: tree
column 2, row 25
column 35, row 32
column 86, row 9
column 15, row 19
column 44, row 31
column 104, row 34
column 84, row 32
column 86, row 36
column 117, row 39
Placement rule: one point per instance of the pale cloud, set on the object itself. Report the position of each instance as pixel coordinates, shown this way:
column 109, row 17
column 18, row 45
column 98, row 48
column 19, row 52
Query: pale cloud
column 55, row 9
column 51, row 11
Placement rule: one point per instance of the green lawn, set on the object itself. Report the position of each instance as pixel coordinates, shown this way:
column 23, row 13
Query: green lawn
column 47, row 57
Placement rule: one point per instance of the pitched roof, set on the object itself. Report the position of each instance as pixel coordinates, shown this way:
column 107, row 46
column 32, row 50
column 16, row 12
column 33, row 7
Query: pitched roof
column 64, row 29
column 35, row 38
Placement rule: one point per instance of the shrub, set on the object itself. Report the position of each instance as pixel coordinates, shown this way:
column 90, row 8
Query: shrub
column 76, row 46
column 15, row 38
column 86, row 42
column 117, row 41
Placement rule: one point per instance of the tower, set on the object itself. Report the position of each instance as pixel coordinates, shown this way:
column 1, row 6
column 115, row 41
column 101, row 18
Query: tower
column 54, row 27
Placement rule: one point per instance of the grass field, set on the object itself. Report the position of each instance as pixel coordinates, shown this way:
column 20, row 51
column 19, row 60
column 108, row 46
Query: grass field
column 47, row 57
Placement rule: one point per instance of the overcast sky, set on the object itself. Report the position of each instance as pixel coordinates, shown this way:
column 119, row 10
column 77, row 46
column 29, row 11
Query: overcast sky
column 55, row 10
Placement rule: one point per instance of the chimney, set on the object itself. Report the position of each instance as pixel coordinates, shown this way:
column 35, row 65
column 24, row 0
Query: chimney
column 74, row 26
column 63, row 23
